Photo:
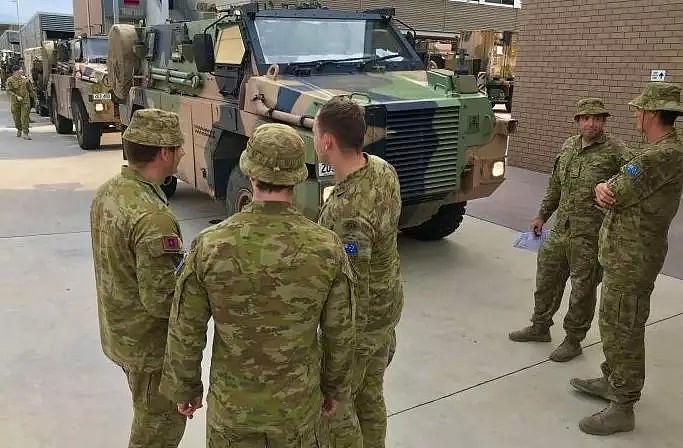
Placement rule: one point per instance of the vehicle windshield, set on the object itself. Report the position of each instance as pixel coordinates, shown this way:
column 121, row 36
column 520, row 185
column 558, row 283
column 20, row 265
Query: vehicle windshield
column 95, row 49
column 296, row 40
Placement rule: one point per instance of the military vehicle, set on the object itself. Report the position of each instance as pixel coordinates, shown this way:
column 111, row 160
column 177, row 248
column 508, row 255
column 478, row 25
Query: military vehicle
column 251, row 65
column 8, row 59
column 78, row 90
column 35, row 62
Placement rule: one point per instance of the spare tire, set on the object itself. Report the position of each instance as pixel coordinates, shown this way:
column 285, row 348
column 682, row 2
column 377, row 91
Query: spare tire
column 122, row 63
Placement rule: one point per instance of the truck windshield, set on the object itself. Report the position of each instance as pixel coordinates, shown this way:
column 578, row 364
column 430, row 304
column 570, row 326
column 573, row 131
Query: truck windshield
column 296, row 40
column 95, row 49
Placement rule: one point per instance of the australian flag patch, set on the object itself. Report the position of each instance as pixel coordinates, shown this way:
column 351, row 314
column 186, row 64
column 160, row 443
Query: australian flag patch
column 351, row 249
column 632, row 170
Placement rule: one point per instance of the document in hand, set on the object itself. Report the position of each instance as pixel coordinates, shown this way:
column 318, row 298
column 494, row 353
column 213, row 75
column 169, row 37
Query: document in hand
column 530, row 241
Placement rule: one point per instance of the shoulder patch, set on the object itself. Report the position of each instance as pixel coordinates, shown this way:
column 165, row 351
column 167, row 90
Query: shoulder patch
column 351, row 248
column 632, row 169
column 171, row 243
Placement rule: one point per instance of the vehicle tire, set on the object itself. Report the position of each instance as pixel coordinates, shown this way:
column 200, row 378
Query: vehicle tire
column 508, row 106
column 62, row 125
column 446, row 221
column 169, row 186
column 238, row 193
column 89, row 134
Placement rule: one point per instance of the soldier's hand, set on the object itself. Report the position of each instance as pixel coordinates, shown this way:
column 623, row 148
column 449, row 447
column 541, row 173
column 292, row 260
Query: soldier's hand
column 537, row 226
column 604, row 195
column 20, row 98
column 188, row 409
column 329, row 407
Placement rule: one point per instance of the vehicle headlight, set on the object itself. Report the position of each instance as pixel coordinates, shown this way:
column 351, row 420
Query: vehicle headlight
column 99, row 107
column 498, row 169
column 327, row 191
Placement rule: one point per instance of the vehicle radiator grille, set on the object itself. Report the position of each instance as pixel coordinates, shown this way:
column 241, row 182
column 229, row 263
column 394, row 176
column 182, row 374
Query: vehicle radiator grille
column 422, row 145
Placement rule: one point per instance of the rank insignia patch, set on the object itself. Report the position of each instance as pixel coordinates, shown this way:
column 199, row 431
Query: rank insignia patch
column 171, row 243
column 351, row 249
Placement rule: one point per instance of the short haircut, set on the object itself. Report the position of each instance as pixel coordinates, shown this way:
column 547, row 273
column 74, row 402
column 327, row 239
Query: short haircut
column 345, row 120
column 668, row 117
column 272, row 188
column 139, row 154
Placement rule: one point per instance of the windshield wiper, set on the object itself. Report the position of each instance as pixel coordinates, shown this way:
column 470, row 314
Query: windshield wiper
column 318, row 64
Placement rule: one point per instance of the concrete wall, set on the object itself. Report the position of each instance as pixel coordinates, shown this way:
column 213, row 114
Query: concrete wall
column 576, row 48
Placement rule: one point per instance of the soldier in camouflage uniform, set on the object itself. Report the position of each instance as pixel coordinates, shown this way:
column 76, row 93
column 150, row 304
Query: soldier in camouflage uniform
column 136, row 248
column 23, row 96
column 270, row 278
column 642, row 200
column 571, row 250
column 363, row 209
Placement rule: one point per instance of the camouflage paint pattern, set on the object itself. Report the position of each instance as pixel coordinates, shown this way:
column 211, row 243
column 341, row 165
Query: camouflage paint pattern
column 364, row 209
column 571, row 250
column 431, row 127
column 278, row 289
column 22, row 97
column 633, row 247
column 137, row 245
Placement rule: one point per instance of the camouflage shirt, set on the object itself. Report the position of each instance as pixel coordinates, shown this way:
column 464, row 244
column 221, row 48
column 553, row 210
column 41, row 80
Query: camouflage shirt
column 22, row 87
column 270, row 278
column 364, row 209
column 136, row 246
column 577, row 171
column 647, row 191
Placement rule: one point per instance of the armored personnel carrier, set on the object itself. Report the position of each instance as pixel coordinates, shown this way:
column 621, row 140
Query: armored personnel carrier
column 78, row 92
column 251, row 65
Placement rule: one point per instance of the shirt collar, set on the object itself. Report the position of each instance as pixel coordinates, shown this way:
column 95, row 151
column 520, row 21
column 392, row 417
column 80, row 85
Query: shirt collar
column 602, row 138
column 131, row 174
column 352, row 178
column 271, row 208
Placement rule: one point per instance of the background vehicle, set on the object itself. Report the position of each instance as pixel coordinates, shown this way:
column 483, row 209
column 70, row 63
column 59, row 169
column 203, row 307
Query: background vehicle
column 248, row 66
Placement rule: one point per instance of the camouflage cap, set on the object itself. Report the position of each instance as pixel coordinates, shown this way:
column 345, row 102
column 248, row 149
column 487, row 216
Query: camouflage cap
column 275, row 154
column 590, row 106
column 154, row 127
column 659, row 96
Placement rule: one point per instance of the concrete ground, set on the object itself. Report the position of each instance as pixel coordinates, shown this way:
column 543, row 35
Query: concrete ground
column 456, row 379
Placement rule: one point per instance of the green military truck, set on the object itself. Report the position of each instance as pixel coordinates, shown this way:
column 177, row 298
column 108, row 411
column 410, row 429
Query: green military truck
column 78, row 93
column 251, row 65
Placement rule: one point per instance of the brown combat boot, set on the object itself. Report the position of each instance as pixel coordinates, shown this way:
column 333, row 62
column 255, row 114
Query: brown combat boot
column 614, row 418
column 534, row 333
column 18, row 134
column 569, row 349
column 596, row 387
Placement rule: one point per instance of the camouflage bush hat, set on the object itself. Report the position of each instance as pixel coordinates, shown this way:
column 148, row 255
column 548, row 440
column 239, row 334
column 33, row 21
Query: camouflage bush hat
column 275, row 155
column 659, row 96
column 154, row 127
column 590, row 106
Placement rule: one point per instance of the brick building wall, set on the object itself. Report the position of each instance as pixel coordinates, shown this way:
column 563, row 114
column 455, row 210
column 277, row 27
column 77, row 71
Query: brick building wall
column 576, row 48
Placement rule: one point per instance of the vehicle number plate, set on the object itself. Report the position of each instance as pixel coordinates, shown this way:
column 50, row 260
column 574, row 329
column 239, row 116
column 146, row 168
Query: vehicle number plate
column 101, row 96
column 325, row 170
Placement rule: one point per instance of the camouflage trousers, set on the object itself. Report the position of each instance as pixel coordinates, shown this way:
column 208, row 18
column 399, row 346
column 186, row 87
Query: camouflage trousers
column 624, row 310
column 362, row 423
column 220, row 436
column 559, row 259
column 156, row 420
column 20, row 113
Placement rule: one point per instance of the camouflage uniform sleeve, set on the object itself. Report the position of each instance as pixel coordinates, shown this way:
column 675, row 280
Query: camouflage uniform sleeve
column 357, row 237
column 158, row 250
column 11, row 86
column 181, row 380
column 644, row 175
column 338, row 335
column 551, row 198
column 31, row 91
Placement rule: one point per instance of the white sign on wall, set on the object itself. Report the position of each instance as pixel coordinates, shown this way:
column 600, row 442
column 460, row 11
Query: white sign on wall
column 657, row 75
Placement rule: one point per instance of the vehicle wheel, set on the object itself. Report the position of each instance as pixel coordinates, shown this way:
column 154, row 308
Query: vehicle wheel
column 238, row 192
column 88, row 134
column 439, row 226
column 169, row 186
column 508, row 106
column 62, row 125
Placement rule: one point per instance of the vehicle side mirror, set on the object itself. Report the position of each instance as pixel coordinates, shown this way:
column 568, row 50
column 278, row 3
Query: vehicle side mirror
column 204, row 57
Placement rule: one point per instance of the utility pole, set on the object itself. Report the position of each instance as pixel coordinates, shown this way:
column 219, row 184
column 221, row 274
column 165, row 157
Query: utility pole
column 21, row 49
column 116, row 11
